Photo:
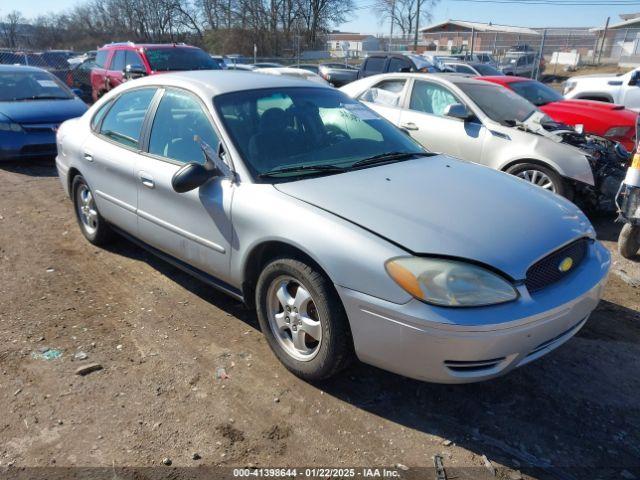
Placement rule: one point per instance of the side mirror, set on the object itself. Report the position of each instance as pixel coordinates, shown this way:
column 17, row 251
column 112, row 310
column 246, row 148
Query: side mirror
column 635, row 78
column 191, row 176
column 459, row 111
column 133, row 71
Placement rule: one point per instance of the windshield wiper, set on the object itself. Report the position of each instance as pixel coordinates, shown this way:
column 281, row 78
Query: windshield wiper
column 40, row 97
column 302, row 169
column 389, row 157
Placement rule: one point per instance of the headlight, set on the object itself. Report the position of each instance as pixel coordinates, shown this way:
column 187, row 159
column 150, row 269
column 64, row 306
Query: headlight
column 450, row 283
column 10, row 127
column 568, row 86
column 617, row 132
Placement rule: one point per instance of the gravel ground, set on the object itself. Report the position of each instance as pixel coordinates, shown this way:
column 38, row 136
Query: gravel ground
column 162, row 337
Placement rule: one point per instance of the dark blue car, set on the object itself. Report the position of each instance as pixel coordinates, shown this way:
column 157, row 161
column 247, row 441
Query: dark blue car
column 33, row 103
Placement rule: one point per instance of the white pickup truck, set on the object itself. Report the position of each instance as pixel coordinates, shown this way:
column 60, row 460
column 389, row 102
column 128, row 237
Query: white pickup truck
column 620, row 89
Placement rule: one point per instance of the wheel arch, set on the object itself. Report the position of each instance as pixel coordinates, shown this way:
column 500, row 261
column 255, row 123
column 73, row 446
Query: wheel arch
column 264, row 252
column 535, row 161
column 71, row 174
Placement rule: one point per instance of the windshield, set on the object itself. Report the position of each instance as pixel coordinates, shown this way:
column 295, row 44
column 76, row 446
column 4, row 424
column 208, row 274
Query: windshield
column 178, row 58
column 498, row 103
column 537, row 93
column 31, row 85
column 303, row 127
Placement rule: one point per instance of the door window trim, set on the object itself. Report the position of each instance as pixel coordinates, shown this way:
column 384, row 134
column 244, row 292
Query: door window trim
column 145, row 135
column 113, row 101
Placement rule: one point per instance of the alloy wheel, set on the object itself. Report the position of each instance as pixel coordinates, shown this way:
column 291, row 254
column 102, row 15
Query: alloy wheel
column 86, row 208
column 538, row 178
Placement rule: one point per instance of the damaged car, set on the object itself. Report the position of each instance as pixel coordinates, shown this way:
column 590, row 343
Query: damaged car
column 343, row 233
column 485, row 123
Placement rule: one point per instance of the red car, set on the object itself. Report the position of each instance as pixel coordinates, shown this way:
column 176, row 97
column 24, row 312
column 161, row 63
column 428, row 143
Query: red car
column 116, row 62
column 599, row 118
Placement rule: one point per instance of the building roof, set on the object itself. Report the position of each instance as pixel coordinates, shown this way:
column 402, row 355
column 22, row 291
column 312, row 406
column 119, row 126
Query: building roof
column 348, row 36
column 629, row 20
column 480, row 27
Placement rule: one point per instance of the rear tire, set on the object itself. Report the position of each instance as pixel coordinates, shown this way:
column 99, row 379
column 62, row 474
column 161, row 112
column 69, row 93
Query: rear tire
column 303, row 319
column 92, row 225
column 542, row 176
column 629, row 240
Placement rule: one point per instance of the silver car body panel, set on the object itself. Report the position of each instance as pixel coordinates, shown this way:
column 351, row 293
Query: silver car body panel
column 488, row 142
column 350, row 224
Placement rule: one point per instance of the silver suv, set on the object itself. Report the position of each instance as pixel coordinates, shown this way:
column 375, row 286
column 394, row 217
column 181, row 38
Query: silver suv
column 342, row 231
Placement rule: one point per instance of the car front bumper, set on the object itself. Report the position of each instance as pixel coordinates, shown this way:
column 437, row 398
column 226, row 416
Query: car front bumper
column 28, row 144
column 462, row 345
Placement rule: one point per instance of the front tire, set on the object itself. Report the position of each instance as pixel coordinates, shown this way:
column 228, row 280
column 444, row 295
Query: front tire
column 541, row 176
column 92, row 225
column 629, row 240
column 303, row 319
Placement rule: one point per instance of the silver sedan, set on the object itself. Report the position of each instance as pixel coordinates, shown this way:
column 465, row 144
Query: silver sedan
column 344, row 234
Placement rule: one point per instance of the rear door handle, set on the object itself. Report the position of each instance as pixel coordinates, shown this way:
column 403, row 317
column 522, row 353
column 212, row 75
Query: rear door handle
column 409, row 126
column 146, row 180
column 88, row 157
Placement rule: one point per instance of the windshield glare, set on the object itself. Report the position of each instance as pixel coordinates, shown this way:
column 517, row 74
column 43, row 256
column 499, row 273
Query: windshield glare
column 179, row 58
column 498, row 103
column 31, row 86
column 536, row 92
column 297, row 127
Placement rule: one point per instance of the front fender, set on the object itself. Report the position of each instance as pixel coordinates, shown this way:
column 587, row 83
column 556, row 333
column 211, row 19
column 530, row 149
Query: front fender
column 351, row 256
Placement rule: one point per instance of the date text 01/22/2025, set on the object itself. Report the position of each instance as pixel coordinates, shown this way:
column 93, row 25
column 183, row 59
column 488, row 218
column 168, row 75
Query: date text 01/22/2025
column 317, row 472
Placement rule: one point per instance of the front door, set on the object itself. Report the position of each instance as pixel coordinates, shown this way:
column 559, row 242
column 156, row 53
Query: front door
column 194, row 227
column 426, row 121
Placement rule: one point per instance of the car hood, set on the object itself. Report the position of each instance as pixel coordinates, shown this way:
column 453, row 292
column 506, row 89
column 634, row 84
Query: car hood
column 442, row 206
column 589, row 108
column 43, row 111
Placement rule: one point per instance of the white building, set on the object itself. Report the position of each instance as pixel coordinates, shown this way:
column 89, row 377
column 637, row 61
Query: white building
column 352, row 45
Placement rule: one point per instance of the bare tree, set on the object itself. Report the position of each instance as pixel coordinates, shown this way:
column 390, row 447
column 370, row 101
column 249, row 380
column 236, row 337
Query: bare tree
column 10, row 26
column 403, row 14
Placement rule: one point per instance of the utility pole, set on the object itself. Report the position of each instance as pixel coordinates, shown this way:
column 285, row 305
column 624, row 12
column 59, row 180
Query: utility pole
column 604, row 38
column 393, row 16
column 415, row 38
column 536, row 71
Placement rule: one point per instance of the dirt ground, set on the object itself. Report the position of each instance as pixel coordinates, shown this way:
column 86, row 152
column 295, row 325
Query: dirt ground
column 161, row 336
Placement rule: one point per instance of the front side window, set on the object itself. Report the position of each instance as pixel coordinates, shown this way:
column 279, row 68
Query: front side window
column 123, row 122
column 387, row 93
column 133, row 59
column 117, row 62
column 431, row 98
column 399, row 65
column 464, row 69
column 21, row 86
column 179, row 119
column 179, row 58
column 498, row 103
column 306, row 127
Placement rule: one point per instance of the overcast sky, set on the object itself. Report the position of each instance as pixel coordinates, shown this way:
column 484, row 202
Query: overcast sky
column 365, row 21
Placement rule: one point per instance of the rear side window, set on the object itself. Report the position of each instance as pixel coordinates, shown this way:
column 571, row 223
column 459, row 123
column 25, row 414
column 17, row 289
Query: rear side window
column 387, row 92
column 399, row 65
column 97, row 118
column 123, row 122
column 179, row 119
column 374, row 64
column 117, row 62
column 101, row 58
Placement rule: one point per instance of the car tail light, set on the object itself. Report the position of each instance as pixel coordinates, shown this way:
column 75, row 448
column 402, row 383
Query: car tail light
column 69, row 79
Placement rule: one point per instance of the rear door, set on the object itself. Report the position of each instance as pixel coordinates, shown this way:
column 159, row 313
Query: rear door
column 98, row 74
column 110, row 153
column 195, row 226
column 426, row 121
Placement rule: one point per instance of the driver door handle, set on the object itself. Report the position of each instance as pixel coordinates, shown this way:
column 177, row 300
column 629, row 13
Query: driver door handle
column 146, row 180
column 409, row 126
column 88, row 157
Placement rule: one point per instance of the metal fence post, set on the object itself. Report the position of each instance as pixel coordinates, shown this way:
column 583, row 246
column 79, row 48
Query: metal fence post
column 473, row 42
column 536, row 71
column 604, row 38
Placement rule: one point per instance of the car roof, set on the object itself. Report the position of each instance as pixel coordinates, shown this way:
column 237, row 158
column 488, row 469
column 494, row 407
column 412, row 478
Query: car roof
column 19, row 68
column 457, row 78
column 504, row 79
column 126, row 45
column 210, row 83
